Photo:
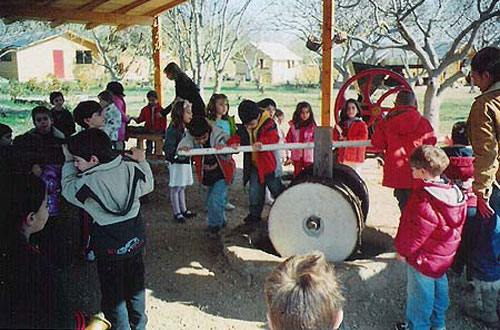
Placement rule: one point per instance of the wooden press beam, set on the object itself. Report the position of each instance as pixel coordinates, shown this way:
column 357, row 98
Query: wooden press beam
column 130, row 6
column 71, row 15
column 156, row 40
column 327, row 63
column 92, row 5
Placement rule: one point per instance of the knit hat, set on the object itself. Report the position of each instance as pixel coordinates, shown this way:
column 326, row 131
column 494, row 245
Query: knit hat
column 4, row 129
column 198, row 126
column 248, row 111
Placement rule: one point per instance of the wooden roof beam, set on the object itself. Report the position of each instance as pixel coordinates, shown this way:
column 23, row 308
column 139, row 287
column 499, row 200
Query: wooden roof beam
column 92, row 5
column 166, row 7
column 130, row 6
column 71, row 15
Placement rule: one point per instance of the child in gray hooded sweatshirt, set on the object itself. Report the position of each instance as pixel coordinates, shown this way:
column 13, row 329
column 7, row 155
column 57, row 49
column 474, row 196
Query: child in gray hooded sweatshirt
column 108, row 187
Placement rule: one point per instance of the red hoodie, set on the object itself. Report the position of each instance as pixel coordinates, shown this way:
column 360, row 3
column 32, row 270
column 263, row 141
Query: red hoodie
column 430, row 227
column 153, row 123
column 401, row 131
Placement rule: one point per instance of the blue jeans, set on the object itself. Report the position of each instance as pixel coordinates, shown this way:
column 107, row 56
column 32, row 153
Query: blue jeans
column 402, row 196
column 122, row 289
column 257, row 191
column 216, row 203
column 427, row 300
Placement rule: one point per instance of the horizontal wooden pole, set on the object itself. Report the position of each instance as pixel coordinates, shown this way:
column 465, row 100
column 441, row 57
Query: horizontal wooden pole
column 270, row 147
column 70, row 15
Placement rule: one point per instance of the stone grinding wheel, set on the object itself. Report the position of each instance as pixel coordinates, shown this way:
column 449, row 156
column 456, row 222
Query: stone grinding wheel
column 316, row 214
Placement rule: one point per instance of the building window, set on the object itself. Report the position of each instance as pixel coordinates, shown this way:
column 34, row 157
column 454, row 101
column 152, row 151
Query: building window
column 83, row 57
column 291, row 64
column 6, row 58
column 261, row 63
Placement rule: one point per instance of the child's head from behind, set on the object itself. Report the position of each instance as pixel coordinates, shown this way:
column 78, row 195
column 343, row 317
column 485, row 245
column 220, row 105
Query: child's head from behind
column 181, row 113
column 268, row 105
column 485, row 68
column 41, row 119
column 105, row 98
column 459, row 133
column 5, row 135
column 90, row 148
column 303, row 293
column 249, row 113
column 279, row 116
column 218, row 106
column 350, row 110
column 428, row 162
column 57, row 100
column 406, row 98
column 24, row 204
column 116, row 88
column 152, row 97
column 303, row 115
column 200, row 129
column 88, row 114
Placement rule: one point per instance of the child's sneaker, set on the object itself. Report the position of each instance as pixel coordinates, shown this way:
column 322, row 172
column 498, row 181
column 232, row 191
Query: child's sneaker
column 402, row 326
column 188, row 214
column 179, row 218
column 229, row 206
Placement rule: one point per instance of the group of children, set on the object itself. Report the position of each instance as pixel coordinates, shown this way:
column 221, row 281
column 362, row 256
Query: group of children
column 302, row 292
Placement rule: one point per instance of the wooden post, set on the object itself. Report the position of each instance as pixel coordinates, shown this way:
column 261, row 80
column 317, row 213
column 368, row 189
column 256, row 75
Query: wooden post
column 156, row 36
column 323, row 156
column 326, row 70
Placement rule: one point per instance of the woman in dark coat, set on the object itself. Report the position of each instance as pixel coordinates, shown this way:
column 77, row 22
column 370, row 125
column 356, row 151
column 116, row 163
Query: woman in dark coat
column 185, row 89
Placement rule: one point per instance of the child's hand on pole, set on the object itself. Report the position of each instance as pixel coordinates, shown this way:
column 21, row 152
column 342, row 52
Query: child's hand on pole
column 234, row 145
column 219, row 147
column 400, row 257
column 36, row 170
column 257, row 146
column 135, row 154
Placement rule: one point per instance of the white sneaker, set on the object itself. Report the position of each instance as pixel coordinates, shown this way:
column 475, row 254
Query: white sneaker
column 229, row 206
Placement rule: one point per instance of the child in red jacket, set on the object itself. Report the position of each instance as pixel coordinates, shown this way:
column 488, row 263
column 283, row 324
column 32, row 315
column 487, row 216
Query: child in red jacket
column 401, row 131
column 351, row 127
column 428, row 237
column 259, row 168
column 461, row 172
column 151, row 114
column 301, row 131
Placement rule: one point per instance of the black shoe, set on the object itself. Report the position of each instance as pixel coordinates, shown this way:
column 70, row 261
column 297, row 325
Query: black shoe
column 402, row 326
column 188, row 214
column 179, row 218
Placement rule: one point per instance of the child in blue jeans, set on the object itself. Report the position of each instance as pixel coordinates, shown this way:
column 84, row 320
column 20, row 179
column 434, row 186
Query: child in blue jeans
column 213, row 171
column 428, row 237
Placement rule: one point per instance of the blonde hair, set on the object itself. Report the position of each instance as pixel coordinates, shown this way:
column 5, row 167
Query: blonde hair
column 429, row 158
column 303, row 293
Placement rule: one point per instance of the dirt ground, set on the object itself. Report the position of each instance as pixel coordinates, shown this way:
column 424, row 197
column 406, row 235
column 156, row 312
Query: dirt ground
column 191, row 285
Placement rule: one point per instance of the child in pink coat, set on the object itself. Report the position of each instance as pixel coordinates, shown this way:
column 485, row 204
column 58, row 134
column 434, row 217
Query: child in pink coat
column 301, row 131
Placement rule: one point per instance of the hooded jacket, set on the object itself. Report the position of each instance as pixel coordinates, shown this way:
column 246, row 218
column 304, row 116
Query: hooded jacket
column 217, row 138
column 461, row 170
column 357, row 131
column 430, row 228
column 265, row 132
column 152, row 123
column 401, row 131
column 301, row 135
column 110, row 193
column 483, row 129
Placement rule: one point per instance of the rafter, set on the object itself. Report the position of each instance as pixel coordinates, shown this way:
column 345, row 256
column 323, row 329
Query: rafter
column 71, row 15
column 92, row 5
column 130, row 6
column 163, row 8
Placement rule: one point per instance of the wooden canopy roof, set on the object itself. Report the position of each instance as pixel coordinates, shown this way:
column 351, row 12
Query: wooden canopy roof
column 122, row 13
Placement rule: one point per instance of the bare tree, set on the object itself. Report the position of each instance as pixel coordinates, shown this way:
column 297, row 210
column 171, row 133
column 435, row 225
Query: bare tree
column 421, row 26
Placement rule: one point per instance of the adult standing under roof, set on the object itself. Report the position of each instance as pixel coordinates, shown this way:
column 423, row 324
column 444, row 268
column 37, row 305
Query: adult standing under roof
column 185, row 89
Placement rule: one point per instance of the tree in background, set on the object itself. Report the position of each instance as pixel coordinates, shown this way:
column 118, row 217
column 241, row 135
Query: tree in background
column 426, row 27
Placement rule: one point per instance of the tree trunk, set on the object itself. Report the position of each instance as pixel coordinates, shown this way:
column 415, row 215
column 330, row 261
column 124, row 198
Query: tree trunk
column 432, row 102
column 218, row 81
